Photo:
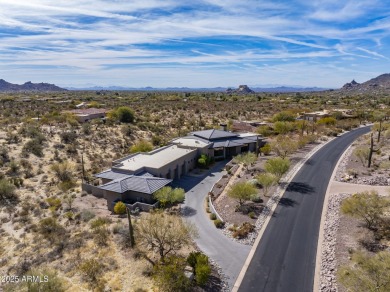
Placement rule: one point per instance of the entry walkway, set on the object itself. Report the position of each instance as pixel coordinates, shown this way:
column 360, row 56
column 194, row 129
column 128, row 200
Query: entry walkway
column 228, row 254
column 337, row 187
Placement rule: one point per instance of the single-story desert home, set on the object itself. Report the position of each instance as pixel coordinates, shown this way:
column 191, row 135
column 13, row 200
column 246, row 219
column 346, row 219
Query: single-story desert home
column 86, row 114
column 136, row 177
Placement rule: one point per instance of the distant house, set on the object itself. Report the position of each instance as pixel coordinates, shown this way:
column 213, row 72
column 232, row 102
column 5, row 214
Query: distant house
column 247, row 126
column 136, row 177
column 85, row 115
column 315, row 116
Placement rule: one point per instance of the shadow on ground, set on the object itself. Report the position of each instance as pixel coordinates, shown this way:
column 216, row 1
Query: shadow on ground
column 302, row 188
column 188, row 211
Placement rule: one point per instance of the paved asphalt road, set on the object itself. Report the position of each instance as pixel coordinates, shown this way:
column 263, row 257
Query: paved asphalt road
column 229, row 255
column 285, row 257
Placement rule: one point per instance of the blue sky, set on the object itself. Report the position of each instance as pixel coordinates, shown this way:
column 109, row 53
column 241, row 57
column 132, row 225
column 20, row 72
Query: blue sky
column 164, row 43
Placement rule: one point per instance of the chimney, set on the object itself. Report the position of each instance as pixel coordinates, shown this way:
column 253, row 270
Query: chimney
column 223, row 127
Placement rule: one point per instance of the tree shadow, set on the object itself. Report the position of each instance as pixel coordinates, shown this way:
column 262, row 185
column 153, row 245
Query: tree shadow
column 286, row 202
column 302, row 188
column 188, row 211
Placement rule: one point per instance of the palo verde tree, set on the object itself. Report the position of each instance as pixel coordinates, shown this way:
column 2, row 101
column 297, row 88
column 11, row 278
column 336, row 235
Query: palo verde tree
column 368, row 206
column 164, row 234
column 368, row 273
column 267, row 180
column 277, row 166
column 168, row 196
column 242, row 191
column 284, row 146
column 246, row 159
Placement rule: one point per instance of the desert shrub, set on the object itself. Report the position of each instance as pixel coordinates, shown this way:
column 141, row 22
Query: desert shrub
column 33, row 146
column 213, row 216
column 169, row 276
column 63, row 171
column 368, row 206
column 252, row 215
column 243, row 230
column 50, row 229
column 218, row 223
column 277, row 166
column 91, row 270
column 54, row 203
column 87, row 215
column 168, row 196
column 328, row 121
column 124, row 114
column 99, row 222
column 265, row 131
column 242, row 191
column 368, row 272
column 284, row 116
column 141, row 146
column 362, row 153
column 385, row 165
column 120, row 208
column 283, row 127
column 8, row 195
column 16, row 181
column 68, row 137
column 86, row 129
column 101, row 236
column 266, row 149
column 200, row 264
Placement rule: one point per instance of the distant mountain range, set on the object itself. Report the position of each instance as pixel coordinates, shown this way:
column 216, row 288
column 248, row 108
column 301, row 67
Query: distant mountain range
column 212, row 89
column 28, row 86
column 380, row 83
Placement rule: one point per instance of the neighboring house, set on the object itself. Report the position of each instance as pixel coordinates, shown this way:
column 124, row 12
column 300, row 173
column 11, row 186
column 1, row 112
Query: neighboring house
column 315, row 116
column 247, row 126
column 221, row 144
column 136, row 177
column 85, row 115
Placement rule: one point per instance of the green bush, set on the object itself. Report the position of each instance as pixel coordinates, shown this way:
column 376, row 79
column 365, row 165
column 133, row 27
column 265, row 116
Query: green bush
column 54, row 203
column 243, row 230
column 120, row 208
column 213, row 216
column 87, row 215
column 192, row 258
column 169, row 276
column 200, row 263
column 168, row 196
column 124, row 114
column 252, row 215
column 7, row 193
column 218, row 223
column 202, row 274
column 99, row 222
column 266, row 149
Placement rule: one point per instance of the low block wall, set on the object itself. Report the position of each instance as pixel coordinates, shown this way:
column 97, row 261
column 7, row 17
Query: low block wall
column 141, row 206
column 93, row 190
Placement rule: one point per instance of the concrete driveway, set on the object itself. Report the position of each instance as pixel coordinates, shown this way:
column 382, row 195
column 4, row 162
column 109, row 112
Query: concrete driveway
column 228, row 254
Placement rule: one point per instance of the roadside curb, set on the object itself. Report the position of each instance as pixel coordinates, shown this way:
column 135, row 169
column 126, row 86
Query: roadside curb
column 275, row 199
column 317, row 271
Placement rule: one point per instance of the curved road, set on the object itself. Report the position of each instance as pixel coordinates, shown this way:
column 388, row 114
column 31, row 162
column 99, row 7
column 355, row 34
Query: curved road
column 285, row 257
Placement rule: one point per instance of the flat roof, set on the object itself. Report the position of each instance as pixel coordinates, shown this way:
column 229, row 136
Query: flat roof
column 155, row 159
column 190, row 142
